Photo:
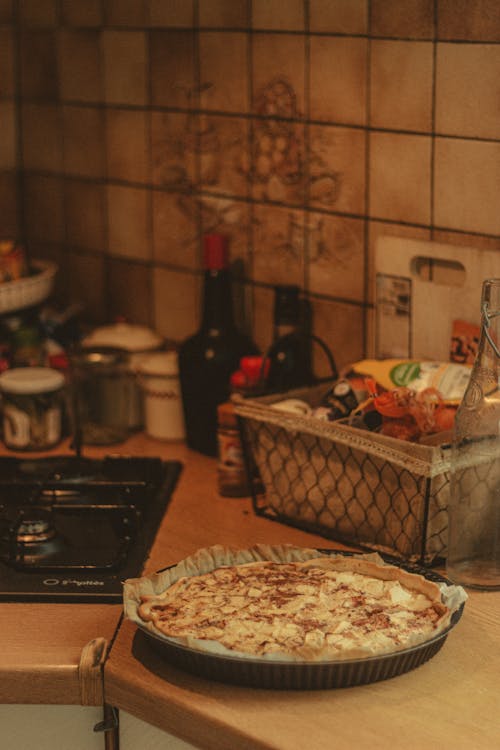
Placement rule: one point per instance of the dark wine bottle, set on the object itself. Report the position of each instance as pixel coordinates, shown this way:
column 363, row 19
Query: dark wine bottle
column 290, row 353
column 207, row 359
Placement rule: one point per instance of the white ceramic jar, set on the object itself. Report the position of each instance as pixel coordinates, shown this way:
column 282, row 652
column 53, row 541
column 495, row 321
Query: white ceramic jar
column 32, row 407
column 158, row 377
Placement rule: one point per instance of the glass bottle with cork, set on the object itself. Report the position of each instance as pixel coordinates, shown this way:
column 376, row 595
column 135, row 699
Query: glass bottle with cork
column 473, row 556
column 207, row 359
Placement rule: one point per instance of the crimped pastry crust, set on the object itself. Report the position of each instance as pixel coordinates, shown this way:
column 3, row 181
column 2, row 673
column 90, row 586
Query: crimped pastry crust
column 288, row 604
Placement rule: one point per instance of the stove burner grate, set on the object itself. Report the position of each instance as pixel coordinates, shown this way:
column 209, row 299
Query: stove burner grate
column 83, row 525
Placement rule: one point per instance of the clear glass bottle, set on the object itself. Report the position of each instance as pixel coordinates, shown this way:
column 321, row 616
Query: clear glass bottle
column 474, row 507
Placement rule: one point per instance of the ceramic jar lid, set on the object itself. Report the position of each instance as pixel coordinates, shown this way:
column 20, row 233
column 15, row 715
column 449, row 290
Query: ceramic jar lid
column 131, row 338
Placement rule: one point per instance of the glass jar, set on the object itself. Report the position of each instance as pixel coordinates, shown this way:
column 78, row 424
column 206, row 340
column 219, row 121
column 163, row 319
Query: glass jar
column 32, row 407
column 473, row 557
column 102, row 395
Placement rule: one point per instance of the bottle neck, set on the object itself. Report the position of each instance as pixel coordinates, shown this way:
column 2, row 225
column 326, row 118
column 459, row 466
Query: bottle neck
column 486, row 364
column 286, row 311
column 217, row 310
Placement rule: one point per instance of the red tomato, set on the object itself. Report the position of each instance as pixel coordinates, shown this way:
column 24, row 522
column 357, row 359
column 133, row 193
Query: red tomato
column 445, row 418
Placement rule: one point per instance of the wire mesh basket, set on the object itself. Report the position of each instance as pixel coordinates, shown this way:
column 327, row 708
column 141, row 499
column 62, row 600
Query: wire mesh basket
column 344, row 483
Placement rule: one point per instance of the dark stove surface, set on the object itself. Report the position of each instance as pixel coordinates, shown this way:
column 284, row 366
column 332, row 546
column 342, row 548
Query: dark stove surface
column 73, row 528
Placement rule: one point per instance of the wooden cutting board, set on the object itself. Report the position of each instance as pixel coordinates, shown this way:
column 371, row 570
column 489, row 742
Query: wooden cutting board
column 421, row 287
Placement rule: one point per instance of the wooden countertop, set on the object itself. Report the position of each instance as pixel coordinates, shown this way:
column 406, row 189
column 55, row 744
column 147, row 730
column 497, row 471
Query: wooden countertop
column 451, row 701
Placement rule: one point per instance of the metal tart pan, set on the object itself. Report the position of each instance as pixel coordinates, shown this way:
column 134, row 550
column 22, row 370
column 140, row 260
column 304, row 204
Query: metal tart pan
column 285, row 675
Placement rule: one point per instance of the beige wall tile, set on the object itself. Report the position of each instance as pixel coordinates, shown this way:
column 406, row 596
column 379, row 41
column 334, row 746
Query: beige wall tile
column 84, row 148
column 8, row 140
column 339, row 16
column 127, row 145
column 6, row 11
column 263, row 318
column 224, row 75
column 79, row 66
column 7, row 85
column 125, row 67
column 340, row 326
column 278, row 169
column 176, row 229
column 58, row 254
column 137, row 305
column 126, row 12
column 223, row 155
column 38, row 64
column 399, row 185
column 171, row 13
column 9, row 207
column 174, row 148
column 278, row 245
column 38, row 12
column 177, row 303
column 473, row 20
column 403, row 18
column 466, row 185
column 468, row 90
column 401, row 85
column 223, row 13
column 337, row 168
column 172, row 69
column 278, row 75
column 275, row 14
column 86, row 284
column 42, row 137
column 336, row 255
column 85, row 214
column 338, row 80
column 128, row 222
column 43, row 208
column 76, row 13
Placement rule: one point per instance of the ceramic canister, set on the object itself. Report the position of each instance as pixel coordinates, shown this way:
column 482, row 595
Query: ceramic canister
column 158, row 377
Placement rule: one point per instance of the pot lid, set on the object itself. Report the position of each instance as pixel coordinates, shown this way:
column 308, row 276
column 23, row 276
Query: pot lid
column 99, row 357
column 31, row 380
column 132, row 338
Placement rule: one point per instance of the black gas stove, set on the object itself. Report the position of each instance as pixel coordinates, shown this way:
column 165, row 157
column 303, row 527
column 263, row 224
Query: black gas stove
column 73, row 528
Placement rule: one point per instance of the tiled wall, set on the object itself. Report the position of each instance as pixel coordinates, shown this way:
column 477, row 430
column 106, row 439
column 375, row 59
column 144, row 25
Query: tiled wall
column 303, row 128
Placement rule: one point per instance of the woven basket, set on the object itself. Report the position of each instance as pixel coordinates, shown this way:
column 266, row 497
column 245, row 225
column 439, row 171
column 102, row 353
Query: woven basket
column 29, row 290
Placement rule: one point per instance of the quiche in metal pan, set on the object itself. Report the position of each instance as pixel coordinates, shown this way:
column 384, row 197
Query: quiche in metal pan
column 292, row 607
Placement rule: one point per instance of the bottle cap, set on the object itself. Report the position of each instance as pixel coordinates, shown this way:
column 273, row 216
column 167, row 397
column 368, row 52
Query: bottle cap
column 255, row 368
column 215, row 249
column 238, row 380
column 226, row 416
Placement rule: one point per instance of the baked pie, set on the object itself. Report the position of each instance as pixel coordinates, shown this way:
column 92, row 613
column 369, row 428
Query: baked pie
column 288, row 603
